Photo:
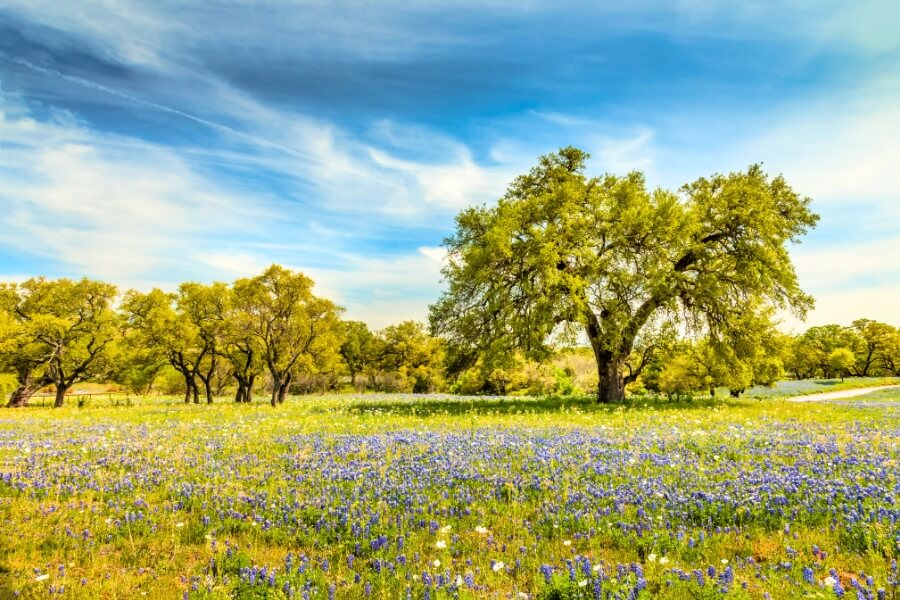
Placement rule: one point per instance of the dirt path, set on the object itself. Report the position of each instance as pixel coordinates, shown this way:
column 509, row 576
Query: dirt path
column 840, row 394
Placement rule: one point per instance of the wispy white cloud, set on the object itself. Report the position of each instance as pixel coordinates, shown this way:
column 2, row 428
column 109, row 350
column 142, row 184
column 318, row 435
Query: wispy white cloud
column 379, row 291
column 841, row 149
column 107, row 206
column 147, row 32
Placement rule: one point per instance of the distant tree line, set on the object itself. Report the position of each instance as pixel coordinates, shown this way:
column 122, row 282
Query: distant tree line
column 266, row 333
column 866, row 348
column 271, row 335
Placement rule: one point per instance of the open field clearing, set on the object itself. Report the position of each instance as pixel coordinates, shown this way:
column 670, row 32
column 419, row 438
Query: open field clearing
column 402, row 496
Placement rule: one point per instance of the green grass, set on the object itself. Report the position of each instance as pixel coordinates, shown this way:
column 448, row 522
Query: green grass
column 695, row 482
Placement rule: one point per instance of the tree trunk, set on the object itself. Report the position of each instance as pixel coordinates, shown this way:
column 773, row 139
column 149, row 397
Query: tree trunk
column 610, row 378
column 19, row 397
column 239, row 395
column 611, row 381
column 195, row 391
column 282, row 392
column 21, row 394
column 869, row 361
column 208, row 389
column 276, row 391
column 187, row 388
column 60, row 396
column 248, row 393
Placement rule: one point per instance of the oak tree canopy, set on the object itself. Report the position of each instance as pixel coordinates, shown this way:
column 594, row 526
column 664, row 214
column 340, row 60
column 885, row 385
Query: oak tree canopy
column 617, row 261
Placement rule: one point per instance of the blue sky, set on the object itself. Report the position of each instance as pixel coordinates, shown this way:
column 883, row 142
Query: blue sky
column 148, row 143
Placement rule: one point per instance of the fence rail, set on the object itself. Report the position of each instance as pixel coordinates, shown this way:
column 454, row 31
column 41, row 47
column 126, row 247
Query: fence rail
column 82, row 395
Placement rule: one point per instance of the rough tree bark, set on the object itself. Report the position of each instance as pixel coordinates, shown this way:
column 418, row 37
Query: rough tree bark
column 239, row 394
column 28, row 385
column 611, row 379
column 280, row 387
column 187, row 387
column 248, row 392
column 610, row 368
column 20, row 396
column 60, row 396
column 207, row 377
column 208, row 389
column 282, row 393
column 276, row 392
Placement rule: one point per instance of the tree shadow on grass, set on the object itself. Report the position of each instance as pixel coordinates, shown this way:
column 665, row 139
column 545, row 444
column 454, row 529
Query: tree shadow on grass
column 425, row 406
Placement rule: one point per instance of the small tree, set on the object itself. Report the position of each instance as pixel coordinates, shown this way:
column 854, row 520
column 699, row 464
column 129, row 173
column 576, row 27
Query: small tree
column 812, row 349
column 840, row 360
column 61, row 330
column 292, row 328
column 683, row 375
column 206, row 309
column 358, row 349
column 20, row 352
column 154, row 325
column 874, row 341
column 890, row 354
column 407, row 351
column 242, row 351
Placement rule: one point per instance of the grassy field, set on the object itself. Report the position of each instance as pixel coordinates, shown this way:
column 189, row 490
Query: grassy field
column 401, row 496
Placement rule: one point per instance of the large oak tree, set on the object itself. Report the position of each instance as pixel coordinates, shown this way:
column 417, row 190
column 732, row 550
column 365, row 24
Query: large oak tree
column 614, row 259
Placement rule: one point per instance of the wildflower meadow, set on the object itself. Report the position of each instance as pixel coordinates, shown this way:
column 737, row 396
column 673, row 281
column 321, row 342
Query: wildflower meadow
column 435, row 497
